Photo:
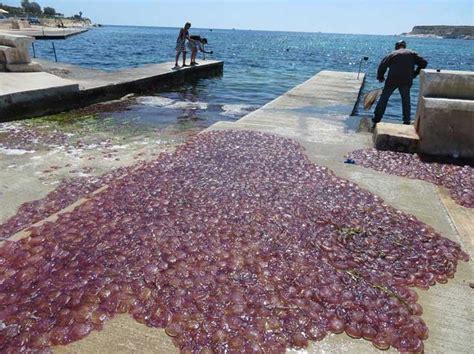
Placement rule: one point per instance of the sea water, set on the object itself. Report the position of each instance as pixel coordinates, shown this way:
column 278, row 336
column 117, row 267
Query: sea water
column 259, row 66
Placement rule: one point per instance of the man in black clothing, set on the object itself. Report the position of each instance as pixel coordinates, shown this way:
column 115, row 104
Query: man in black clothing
column 401, row 63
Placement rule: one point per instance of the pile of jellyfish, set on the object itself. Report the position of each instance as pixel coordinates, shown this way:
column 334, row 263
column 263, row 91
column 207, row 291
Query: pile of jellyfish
column 459, row 180
column 67, row 193
column 17, row 136
column 235, row 242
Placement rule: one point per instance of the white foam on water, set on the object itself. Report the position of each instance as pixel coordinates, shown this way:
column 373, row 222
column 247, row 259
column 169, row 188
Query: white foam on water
column 236, row 110
column 188, row 105
column 155, row 101
column 16, row 152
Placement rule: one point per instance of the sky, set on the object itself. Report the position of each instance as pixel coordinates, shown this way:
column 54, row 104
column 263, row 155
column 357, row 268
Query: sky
column 334, row 16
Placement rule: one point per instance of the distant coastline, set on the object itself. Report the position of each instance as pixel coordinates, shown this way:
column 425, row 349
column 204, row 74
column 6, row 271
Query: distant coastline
column 33, row 14
column 444, row 32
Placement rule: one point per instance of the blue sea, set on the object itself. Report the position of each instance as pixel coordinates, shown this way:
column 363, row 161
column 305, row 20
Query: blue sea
column 259, row 65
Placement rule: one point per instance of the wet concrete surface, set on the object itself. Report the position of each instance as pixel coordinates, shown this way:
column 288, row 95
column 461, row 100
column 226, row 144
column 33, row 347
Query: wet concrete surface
column 89, row 78
column 448, row 309
column 37, row 154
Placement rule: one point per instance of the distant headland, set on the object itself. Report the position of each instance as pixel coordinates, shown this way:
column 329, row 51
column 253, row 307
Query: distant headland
column 446, row 32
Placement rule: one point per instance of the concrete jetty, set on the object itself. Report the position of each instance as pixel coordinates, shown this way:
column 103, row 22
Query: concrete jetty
column 41, row 32
column 317, row 114
column 68, row 87
column 22, row 88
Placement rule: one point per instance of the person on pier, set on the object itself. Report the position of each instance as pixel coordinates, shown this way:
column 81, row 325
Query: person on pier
column 401, row 64
column 195, row 45
column 181, row 44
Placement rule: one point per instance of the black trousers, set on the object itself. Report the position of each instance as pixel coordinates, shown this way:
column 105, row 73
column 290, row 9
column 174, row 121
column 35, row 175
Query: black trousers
column 382, row 104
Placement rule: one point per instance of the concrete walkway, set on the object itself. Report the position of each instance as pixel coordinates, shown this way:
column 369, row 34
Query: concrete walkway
column 41, row 32
column 34, row 95
column 89, row 78
column 23, row 87
column 316, row 115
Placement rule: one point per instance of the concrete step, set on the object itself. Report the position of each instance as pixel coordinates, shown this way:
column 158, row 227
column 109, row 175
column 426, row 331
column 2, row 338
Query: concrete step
column 446, row 127
column 396, row 137
column 16, row 41
column 6, row 48
column 15, row 49
column 24, row 68
column 11, row 55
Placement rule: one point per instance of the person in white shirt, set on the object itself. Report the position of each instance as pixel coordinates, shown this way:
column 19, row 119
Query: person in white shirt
column 196, row 44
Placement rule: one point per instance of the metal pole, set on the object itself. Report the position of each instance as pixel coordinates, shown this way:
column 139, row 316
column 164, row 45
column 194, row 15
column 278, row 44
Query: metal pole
column 54, row 50
column 360, row 67
column 34, row 50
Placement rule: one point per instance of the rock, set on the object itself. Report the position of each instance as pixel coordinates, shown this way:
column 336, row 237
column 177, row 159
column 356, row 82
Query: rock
column 451, row 32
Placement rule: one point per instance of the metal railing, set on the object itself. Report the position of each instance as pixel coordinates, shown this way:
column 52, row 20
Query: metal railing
column 53, row 46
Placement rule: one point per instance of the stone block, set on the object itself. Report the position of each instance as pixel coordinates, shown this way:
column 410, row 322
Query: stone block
column 5, row 25
column 447, row 84
column 15, row 25
column 3, row 58
column 24, row 68
column 20, row 24
column 7, row 52
column 15, row 40
column 11, row 55
column 446, row 127
column 14, row 49
column 395, row 137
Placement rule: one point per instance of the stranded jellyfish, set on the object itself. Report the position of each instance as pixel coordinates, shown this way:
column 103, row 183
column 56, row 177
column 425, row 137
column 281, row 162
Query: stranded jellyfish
column 459, row 180
column 235, row 242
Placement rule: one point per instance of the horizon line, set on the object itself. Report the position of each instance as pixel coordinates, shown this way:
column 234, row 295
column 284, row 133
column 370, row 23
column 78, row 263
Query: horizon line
column 288, row 31
column 261, row 30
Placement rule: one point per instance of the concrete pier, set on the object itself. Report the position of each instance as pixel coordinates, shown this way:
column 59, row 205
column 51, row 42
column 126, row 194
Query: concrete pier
column 317, row 114
column 26, row 97
column 40, row 32
column 23, row 88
